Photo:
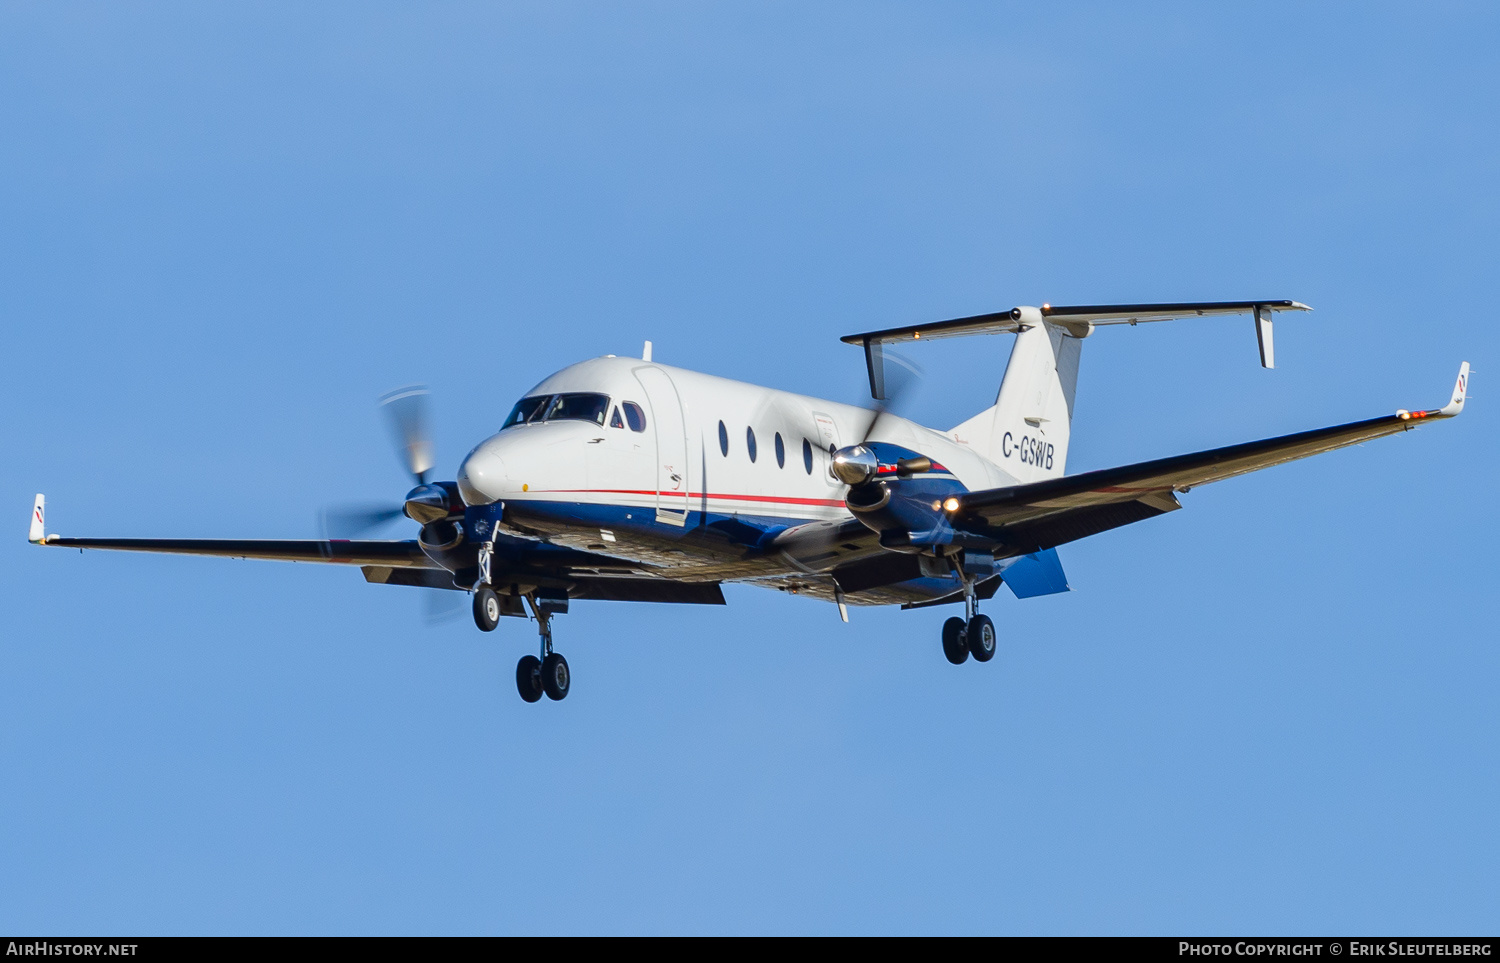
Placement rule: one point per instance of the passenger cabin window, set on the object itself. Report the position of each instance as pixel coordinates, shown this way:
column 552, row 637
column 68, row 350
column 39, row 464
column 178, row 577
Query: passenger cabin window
column 574, row 406
column 723, row 439
column 614, row 419
column 635, row 416
column 807, row 455
column 780, row 452
column 525, row 410
column 750, row 443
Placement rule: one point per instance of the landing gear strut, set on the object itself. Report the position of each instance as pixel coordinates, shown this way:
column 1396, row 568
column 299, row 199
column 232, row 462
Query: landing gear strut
column 535, row 676
column 973, row 635
column 549, row 674
column 486, row 602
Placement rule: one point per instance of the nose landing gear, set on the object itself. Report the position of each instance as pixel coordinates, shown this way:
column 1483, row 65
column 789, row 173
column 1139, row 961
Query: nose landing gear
column 486, row 609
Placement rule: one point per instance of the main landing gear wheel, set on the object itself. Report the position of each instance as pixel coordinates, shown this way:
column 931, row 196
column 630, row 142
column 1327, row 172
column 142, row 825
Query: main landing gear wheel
column 953, row 641
column 529, row 678
column 555, row 677
column 486, row 609
column 980, row 636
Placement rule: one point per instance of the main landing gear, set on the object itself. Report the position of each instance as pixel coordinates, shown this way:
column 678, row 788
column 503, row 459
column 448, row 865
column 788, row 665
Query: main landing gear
column 535, row 677
column 972, row 636
column 548, row 675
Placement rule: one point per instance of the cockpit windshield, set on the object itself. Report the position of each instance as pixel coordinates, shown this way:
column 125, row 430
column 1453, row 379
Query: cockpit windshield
column 525, row 410
column 574, row 406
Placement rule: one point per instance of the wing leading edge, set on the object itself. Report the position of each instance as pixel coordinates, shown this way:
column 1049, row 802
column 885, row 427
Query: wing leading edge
column 581, row 574
column 1027, row 518
column 333, row 551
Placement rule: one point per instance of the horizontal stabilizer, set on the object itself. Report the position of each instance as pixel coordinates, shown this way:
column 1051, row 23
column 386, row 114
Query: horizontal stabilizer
column 1079, row 320
column 1002, row 322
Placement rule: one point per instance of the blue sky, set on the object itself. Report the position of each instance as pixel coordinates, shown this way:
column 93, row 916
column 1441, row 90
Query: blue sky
column 224, row 232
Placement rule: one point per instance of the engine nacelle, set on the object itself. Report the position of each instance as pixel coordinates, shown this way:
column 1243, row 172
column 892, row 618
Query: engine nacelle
column 903, row 498
column 433, row 502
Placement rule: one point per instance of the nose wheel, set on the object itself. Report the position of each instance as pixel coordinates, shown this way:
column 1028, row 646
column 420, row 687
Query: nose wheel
column 486, row 609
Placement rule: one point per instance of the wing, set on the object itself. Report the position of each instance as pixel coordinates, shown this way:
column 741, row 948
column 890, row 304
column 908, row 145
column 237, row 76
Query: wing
column 1026, row 518
column 583, row 575
column 335, row 551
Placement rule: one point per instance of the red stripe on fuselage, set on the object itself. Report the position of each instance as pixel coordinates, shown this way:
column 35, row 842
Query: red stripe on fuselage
column 774, row 499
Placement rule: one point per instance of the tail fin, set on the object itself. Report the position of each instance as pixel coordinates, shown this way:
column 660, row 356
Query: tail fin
column 1026, row 430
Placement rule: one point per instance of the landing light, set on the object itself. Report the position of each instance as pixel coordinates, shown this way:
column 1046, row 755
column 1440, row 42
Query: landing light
column 950, row 505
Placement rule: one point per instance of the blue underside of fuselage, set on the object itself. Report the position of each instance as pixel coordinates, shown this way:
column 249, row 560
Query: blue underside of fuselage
column 725, row 535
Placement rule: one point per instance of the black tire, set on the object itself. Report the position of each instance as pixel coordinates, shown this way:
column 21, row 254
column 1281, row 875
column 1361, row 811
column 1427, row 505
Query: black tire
column 555, row 677
column 980, row 636
column 953, row 641
column 529, row 678
column 486, row 609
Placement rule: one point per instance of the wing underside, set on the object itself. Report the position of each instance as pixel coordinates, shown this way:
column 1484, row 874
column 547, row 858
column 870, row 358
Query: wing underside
column 1027, row 518
column 330, row 551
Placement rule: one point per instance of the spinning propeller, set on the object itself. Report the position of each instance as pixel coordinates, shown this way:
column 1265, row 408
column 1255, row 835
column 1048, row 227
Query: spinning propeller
column 406, row 413
column 857, row 464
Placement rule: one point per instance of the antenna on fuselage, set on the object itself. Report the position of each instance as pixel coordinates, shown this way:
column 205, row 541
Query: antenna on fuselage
column 646, row 352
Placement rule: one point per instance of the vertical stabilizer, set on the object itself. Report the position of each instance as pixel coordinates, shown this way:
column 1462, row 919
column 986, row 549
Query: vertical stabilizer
column 1026, row 430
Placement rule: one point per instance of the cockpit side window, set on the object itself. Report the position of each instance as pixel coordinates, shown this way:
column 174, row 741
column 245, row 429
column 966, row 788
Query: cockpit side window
column 525, row 410
column 614, row 418
column 635, row 416
column 578, row 406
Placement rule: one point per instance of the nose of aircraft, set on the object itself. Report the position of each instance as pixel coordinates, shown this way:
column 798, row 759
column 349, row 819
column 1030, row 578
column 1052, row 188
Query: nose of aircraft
column 481, row 478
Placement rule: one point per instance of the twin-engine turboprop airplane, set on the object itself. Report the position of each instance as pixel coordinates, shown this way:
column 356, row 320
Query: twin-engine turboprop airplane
column 623, row 479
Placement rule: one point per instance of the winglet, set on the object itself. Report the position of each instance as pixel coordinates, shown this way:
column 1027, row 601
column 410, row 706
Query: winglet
column 1452, row 408
column 1460, row 392
column 37, row 535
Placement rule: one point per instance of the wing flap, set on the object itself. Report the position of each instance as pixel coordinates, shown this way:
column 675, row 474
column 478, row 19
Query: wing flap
column 648, row 590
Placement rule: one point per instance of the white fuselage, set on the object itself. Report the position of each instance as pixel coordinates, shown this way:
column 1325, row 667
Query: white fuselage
column 591, row 484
